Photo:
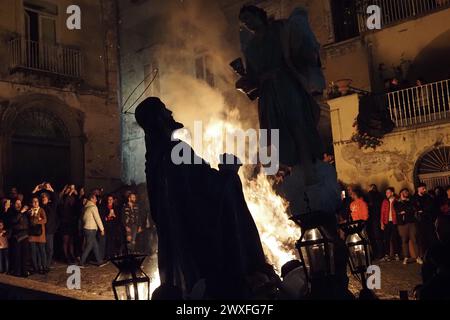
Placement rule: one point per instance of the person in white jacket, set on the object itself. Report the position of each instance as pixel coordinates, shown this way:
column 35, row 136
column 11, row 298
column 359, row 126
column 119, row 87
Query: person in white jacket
column 91, row 224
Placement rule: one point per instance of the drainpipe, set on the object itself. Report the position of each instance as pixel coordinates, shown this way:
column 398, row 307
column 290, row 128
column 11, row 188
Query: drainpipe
column 373, row 83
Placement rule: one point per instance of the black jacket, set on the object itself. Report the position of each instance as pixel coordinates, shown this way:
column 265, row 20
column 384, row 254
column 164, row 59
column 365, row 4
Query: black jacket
column 104, row 212
column 18, row 223
column 52, row 214
column 375, row 199
column 406, row 206
column 425, row 208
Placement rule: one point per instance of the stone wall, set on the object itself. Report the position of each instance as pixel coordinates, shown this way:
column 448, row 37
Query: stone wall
column 147, row 35
column 88, row 106
column 418, row 46
column 391, row 164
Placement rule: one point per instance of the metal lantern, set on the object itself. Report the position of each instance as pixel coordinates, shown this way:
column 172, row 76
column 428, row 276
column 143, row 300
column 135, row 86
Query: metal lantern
column 358, row 247
column 131, row 283
column 316, row 247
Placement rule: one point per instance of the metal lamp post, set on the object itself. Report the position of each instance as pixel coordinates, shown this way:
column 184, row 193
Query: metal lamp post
column 316, row 249
column 131, row 283
column 358, row 246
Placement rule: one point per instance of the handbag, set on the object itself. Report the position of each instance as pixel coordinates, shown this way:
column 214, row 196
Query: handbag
column 35, row 230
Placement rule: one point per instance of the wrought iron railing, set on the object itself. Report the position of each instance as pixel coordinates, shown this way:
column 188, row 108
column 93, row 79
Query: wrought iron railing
column 393, row 11
column 418, row 105
column 33, row 55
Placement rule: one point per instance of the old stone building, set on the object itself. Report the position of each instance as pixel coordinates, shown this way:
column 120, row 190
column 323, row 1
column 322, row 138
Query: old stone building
column 186, row 48
column 190, row 43
column 60, row 120
column 413, row 44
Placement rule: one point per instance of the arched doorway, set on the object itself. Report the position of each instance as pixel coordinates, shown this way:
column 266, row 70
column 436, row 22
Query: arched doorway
column 40, row 150
column 433, row 168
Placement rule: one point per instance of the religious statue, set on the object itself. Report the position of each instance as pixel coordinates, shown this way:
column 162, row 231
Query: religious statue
column 283, row 70
column 206, row 233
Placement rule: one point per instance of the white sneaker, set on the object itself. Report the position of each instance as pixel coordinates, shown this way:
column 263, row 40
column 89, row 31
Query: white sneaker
column 397, row 257
column 405, row 261
column 419, row 261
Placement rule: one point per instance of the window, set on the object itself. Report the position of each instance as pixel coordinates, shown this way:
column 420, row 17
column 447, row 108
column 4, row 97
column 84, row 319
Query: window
column 40, row 21
column 345, row 19
column 203, row 68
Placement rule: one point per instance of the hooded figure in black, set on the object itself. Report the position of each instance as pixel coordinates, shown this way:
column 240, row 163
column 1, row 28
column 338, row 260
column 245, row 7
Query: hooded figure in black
column 197, row 212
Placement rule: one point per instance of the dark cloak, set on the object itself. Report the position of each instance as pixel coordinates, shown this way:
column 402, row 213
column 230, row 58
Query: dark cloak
column 284, row 103
column 204, row 230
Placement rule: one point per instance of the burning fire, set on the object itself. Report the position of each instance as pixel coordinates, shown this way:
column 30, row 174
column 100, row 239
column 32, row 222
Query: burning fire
column 278, row 233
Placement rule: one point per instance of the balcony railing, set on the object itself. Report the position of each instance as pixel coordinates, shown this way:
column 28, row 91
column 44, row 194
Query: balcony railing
column 393, row 11
column 418, row 105
column 56, row 59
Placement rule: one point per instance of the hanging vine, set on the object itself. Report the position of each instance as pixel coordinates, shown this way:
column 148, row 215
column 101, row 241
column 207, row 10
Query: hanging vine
column 364, row 140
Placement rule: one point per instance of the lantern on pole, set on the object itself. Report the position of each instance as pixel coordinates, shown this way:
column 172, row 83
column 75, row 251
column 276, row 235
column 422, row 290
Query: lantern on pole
column 358, row 247
column 359, row 257
column 315, row 246
column 131, row 283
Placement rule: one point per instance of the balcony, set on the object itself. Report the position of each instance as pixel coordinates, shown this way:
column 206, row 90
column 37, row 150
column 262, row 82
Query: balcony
column 420, row 105
column 395, row 11
column 38, row 56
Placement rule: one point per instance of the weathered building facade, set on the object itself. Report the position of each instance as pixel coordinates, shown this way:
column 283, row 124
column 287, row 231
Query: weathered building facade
column 192, row 41
column 60, row 120
column 413, row 44
column 190, row 44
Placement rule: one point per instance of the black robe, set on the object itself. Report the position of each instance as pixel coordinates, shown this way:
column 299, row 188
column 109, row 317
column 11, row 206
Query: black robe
column 205, row 230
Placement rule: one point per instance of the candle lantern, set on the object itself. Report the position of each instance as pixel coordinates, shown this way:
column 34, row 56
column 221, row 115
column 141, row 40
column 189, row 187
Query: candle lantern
column 358, row 247
column 315, row 246
column 131, row 283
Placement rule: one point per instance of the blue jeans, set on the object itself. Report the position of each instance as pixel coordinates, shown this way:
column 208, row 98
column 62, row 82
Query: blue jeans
column 90, row 244
column 49, row 249
column 4, row 260
column 38, row 256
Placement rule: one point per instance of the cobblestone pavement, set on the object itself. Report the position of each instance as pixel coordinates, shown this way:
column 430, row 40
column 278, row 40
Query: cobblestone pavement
column 96, row 282
column 395, row 277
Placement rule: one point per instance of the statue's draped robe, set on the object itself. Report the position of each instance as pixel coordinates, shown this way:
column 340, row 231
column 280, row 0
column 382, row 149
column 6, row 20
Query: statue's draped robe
column 204, row 231
column 284, row 103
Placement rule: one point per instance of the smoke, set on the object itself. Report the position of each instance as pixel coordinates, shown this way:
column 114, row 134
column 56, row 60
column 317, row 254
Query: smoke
column 198, row 42
column 196, row 53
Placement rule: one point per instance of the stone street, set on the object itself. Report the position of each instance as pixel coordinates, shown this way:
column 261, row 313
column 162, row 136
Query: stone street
column 96, row 282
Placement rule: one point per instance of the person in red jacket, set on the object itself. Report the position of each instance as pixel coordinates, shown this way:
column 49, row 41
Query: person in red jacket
column 389, row 226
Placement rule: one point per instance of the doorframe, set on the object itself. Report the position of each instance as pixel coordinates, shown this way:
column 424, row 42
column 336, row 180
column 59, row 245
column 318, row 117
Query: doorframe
column 72, row 119
column 416, row 175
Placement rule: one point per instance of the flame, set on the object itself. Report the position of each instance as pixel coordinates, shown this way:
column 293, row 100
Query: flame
column 277, row 232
